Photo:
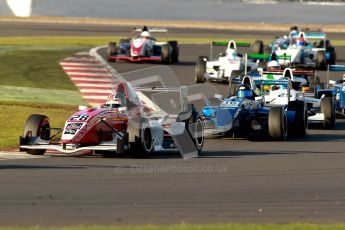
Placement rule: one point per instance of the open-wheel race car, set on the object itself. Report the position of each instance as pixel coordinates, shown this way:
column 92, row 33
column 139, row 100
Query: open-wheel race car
column 307, row 48
column 320, row 104
column 248, row 115
column 144, row 47
column 123, row 124
column 229, row 64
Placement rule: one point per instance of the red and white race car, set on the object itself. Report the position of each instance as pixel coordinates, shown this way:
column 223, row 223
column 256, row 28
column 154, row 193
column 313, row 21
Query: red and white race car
column 144, row 47
column 123, row 124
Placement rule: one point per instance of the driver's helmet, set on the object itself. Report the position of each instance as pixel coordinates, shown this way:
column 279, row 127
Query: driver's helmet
column 244, row 91
column 293, row 34
column 273, row 65
column 145, row 34
column 231, row 52
column 300, row 41
column 113, row 101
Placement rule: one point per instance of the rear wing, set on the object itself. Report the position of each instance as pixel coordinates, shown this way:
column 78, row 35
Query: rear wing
column 335, row 68
column 268, row 57
column 295, row 72
column 238, row 44
column 311, row 29
column 151, row 29
column 230, row 44
column 282, row 81
column 315, row 36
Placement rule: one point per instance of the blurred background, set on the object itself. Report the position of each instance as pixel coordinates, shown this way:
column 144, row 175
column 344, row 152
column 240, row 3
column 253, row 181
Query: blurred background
column 283, row 11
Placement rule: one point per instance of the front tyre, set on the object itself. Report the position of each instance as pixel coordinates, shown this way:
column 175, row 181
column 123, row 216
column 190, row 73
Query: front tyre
column 277, row 123
column 327, row 108
column 111, row 51
column 200, row 69
column 196, row 131
column 37, row 125
column 299, row 126
column 174, row 51
column 258, row 47
column 321, row 60
column 165, row 54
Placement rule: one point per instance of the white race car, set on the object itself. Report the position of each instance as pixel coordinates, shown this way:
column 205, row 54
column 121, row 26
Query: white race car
column 321, row 111
column 229, row 64
column 300, row 51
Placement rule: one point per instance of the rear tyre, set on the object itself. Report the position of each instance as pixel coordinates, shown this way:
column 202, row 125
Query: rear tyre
column 165, row 54
column 299, row 127
column 200, row 69
column 321, row 60
column 277, row 123
column 332, row 55
column 174, row 51
column 111, row 51
column 38, row 126
column 232, row 85
column 327, row 108
column 258, row 47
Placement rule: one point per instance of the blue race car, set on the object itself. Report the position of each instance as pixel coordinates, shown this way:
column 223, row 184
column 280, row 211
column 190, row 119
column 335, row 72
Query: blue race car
column 337, row 89
column 245, row 115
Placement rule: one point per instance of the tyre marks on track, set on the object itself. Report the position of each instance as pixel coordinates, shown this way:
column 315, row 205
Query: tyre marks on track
column 94, row 81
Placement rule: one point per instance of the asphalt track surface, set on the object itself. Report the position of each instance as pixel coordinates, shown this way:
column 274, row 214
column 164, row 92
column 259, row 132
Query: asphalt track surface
column 300, row 180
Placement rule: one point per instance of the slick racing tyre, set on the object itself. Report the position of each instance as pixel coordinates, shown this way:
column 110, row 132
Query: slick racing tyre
column 111, row 51
column 327, row 108
column 233, row 85
column 258, row 47
column 196, row 131
column 332, row 55
column 321, row 60
column 37, row 126
column 174, row 51
column 277, row 123
column 140, row 137
column 165, row 54
column 298, row 127
column 200, row 69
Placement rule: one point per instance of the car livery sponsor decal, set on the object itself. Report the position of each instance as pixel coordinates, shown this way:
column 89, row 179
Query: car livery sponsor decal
column 230, row 104
column 72, row 128
column 79, row 118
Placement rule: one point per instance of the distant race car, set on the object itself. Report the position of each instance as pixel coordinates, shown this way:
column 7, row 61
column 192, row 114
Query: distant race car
column 144, row 47
column 305, row 48
column 247, row 115
column 229, row 64
column 123, row 124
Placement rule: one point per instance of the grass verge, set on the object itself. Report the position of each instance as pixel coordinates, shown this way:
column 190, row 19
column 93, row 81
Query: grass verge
column 36, row 67
column 91, row 41
column 13, row 117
